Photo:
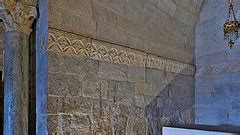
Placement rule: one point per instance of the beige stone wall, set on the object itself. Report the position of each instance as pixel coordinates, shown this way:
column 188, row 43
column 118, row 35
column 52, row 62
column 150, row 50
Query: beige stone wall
column 161, row 27
column 120, row 67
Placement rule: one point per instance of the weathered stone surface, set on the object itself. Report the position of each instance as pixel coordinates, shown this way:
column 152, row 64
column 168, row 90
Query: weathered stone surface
column 114, row 21
column 55, row 105
column 108, row 33
column 70, row 21
column 55, row 124
column 16, row 83
column 67, row 64
column 181, row 91
column 137, row 49
column 75, row 105
column 155, row 76
column 136, row 74
column 64, row 85
column 113, row 71
column 105, row 15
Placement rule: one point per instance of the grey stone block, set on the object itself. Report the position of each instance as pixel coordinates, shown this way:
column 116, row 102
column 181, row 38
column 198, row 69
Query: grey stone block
column 136, row 74
column 69, row 64
column 64, row 85
column 110, row 71
column 155, row 76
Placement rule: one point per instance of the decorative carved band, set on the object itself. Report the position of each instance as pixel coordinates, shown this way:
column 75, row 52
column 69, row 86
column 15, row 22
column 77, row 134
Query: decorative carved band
column 18, row 16
column 169, row 65
column 120, row 55
column 218, row 69
column 97, row 50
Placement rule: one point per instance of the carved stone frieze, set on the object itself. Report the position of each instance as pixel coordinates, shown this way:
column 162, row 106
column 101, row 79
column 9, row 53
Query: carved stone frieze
column 98, row 50
column 70, row 44
column 218, row 69
column 169, row 65
column 116, row 54
column 18, row 16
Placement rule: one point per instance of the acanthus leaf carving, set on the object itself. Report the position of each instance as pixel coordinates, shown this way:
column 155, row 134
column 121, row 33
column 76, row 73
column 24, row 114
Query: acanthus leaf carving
column 18, row 16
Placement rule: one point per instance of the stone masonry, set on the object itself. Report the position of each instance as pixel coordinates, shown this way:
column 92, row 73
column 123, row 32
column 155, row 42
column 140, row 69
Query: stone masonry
column 116, row 67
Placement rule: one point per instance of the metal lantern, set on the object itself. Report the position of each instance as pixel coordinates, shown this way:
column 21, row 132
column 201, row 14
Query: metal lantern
column 231, row 26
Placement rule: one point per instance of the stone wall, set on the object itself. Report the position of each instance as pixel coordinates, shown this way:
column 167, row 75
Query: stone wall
column 217, row 78
column 119, row 67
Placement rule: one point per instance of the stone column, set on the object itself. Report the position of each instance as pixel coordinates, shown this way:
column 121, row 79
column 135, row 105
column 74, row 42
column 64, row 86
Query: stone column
column 17, row 18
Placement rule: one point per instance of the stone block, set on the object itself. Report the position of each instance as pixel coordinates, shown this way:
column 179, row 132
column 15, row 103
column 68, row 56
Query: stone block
column 66, row 122
column 130, row 27
column 81, row 122
column 68, row 64
column 71, row 22
column 167, row 6
column 64, row 85
column 133, row 11
column 155, row 76
column 144, row 89
column 136, row 74
column 55, row 105
column 110, row 71
column 97, row 89
column 60, row 18
column 54, row 123
column 104, row 15
column 91, row 88
column 111, row 34
column 157, row 48
column 185, row 16
column 143, row 100
column 84, row 26
column 182, row 80
column 135, row 42
column 116, row 6
column 181, row 91
column 75, row 105
column 85, row 7
column 125, row 87
column 187, row 116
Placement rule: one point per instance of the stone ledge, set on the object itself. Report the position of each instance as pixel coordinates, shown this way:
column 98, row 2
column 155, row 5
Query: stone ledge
column 218, row 69
column 64, row 42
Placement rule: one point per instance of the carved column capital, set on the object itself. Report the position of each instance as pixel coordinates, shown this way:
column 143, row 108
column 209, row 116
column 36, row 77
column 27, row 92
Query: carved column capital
column 18, row 16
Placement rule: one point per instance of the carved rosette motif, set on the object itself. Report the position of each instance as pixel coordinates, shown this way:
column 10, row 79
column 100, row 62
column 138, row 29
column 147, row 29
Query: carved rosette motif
column 92, row 49
column 18, row 16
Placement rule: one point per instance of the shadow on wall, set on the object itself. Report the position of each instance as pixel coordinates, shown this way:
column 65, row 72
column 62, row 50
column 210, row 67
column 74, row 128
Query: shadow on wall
column 173, row 106
column 217, row 79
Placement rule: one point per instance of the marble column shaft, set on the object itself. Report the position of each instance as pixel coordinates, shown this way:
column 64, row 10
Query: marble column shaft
column 17, row 18
column 16, row 61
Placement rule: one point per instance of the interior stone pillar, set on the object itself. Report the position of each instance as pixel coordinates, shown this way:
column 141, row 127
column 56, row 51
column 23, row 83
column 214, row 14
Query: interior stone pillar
column 17, row 18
